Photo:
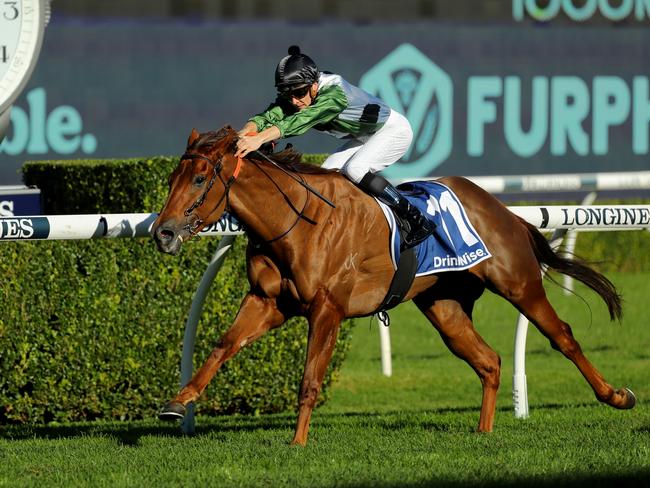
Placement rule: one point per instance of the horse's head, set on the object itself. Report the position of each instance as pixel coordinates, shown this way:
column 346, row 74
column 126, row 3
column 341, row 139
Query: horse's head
column 198, row 188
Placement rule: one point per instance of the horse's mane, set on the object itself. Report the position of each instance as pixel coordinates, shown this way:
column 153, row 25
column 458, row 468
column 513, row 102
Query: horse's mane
column 208, row 142
column 225, row 139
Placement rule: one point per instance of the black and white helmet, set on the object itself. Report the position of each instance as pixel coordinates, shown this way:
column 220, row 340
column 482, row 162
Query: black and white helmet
column 295, row 71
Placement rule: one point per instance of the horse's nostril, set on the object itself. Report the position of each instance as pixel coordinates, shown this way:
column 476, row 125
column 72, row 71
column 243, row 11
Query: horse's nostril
column 165, row 234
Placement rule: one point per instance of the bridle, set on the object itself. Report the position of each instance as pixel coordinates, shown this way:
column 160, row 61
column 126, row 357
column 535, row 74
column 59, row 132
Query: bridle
column 196, row 225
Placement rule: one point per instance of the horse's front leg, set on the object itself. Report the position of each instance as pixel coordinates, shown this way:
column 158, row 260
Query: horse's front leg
column 324, row 322
column 256, row 316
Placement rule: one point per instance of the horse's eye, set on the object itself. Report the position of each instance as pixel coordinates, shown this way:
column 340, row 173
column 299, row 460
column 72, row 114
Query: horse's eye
column 199, row 180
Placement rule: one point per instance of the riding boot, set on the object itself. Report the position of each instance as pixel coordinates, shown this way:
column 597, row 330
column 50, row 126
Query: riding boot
column 419, row 227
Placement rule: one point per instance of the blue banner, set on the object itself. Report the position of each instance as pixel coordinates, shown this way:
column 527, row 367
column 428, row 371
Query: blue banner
column 16, row 201
column 482, row 99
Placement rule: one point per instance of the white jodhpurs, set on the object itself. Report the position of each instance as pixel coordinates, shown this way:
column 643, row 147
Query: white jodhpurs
column 375, row 152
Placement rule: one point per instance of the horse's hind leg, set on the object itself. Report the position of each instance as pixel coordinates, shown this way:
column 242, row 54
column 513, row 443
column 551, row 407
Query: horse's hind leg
column 454, row 323
column 256, row 316
column 531, row 300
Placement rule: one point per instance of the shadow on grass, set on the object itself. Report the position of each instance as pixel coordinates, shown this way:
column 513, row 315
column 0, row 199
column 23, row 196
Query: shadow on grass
column 549, row 351
column 636, row 479
column 128, row 433
column 414, row 357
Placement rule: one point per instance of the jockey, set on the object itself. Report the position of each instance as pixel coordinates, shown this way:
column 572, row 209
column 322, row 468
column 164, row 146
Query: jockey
column 376, row 135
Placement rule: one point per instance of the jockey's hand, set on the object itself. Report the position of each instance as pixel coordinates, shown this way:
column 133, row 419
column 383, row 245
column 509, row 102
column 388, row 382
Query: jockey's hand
column 248, row 143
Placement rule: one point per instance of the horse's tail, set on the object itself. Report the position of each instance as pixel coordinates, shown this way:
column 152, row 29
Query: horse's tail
column 575, row 268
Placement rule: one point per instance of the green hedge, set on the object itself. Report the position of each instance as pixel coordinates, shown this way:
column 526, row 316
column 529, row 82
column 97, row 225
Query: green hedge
column 106, row 185
column 93, row 329
column 616, row 251
column 100, row 186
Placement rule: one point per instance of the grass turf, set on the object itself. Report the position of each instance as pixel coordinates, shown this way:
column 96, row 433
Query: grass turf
column 413, row 429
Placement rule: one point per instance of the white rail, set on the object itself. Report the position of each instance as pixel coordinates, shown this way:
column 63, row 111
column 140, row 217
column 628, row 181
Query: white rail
column 62, row 227
column 65, row 227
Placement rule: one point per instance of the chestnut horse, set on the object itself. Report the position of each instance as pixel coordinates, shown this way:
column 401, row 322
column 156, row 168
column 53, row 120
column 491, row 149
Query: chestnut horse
column 306, row 258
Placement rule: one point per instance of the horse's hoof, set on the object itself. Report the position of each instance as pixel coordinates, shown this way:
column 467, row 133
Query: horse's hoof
column 630, row 397
column 172, row 411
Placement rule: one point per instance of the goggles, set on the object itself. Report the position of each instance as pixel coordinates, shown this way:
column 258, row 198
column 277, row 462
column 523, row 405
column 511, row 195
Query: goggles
column 295, row 93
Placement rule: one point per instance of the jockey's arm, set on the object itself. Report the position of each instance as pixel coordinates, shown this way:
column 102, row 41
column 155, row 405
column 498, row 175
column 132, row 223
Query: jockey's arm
column 249, row 128
column 254, row 140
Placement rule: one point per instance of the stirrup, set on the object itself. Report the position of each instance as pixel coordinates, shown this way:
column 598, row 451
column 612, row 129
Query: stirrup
column 414, row 238
column 420, row 228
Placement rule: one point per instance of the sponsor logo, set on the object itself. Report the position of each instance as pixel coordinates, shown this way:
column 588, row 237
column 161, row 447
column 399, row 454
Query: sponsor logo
column 606, row 217
column 21, row 203
column 566, row 112
column 6, row 208
column 415, row 86
column 226, row 224
column 35, row 131
column 20, row 228
column 552, row 182
column 580, row 11
column 557, row 116
column 465, row 259
column 16, row 229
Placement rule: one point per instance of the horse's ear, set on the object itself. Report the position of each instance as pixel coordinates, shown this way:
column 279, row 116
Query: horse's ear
column 193, row 137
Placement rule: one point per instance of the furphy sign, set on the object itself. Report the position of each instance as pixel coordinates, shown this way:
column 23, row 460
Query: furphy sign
column 415, row 86
column 561, row 109
column 559, row 116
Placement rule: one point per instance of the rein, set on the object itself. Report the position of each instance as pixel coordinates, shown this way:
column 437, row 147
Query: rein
column 195, row 227
column 301, row 181
column 300, row 214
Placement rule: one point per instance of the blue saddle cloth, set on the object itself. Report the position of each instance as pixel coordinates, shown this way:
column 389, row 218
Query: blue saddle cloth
column 455, row 245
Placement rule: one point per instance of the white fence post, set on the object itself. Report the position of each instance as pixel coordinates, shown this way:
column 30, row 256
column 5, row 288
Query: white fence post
column 519, row 382
column 386, row 359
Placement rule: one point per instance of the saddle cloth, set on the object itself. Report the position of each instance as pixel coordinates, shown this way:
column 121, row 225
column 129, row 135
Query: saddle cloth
column 454, row 246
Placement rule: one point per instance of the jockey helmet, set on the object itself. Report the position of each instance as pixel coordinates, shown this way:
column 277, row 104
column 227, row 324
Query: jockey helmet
column 295, row 71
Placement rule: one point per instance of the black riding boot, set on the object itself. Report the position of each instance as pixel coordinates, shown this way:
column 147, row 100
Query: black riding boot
column 419, row 226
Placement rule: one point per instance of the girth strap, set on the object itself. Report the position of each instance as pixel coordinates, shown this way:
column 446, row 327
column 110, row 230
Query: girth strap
column 402, row 280
column 403, row 277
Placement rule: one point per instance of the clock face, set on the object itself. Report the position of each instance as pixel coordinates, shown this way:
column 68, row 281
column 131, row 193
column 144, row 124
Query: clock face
column 21, row 35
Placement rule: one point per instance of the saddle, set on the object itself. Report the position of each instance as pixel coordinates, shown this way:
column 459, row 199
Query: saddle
column 454, row 246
